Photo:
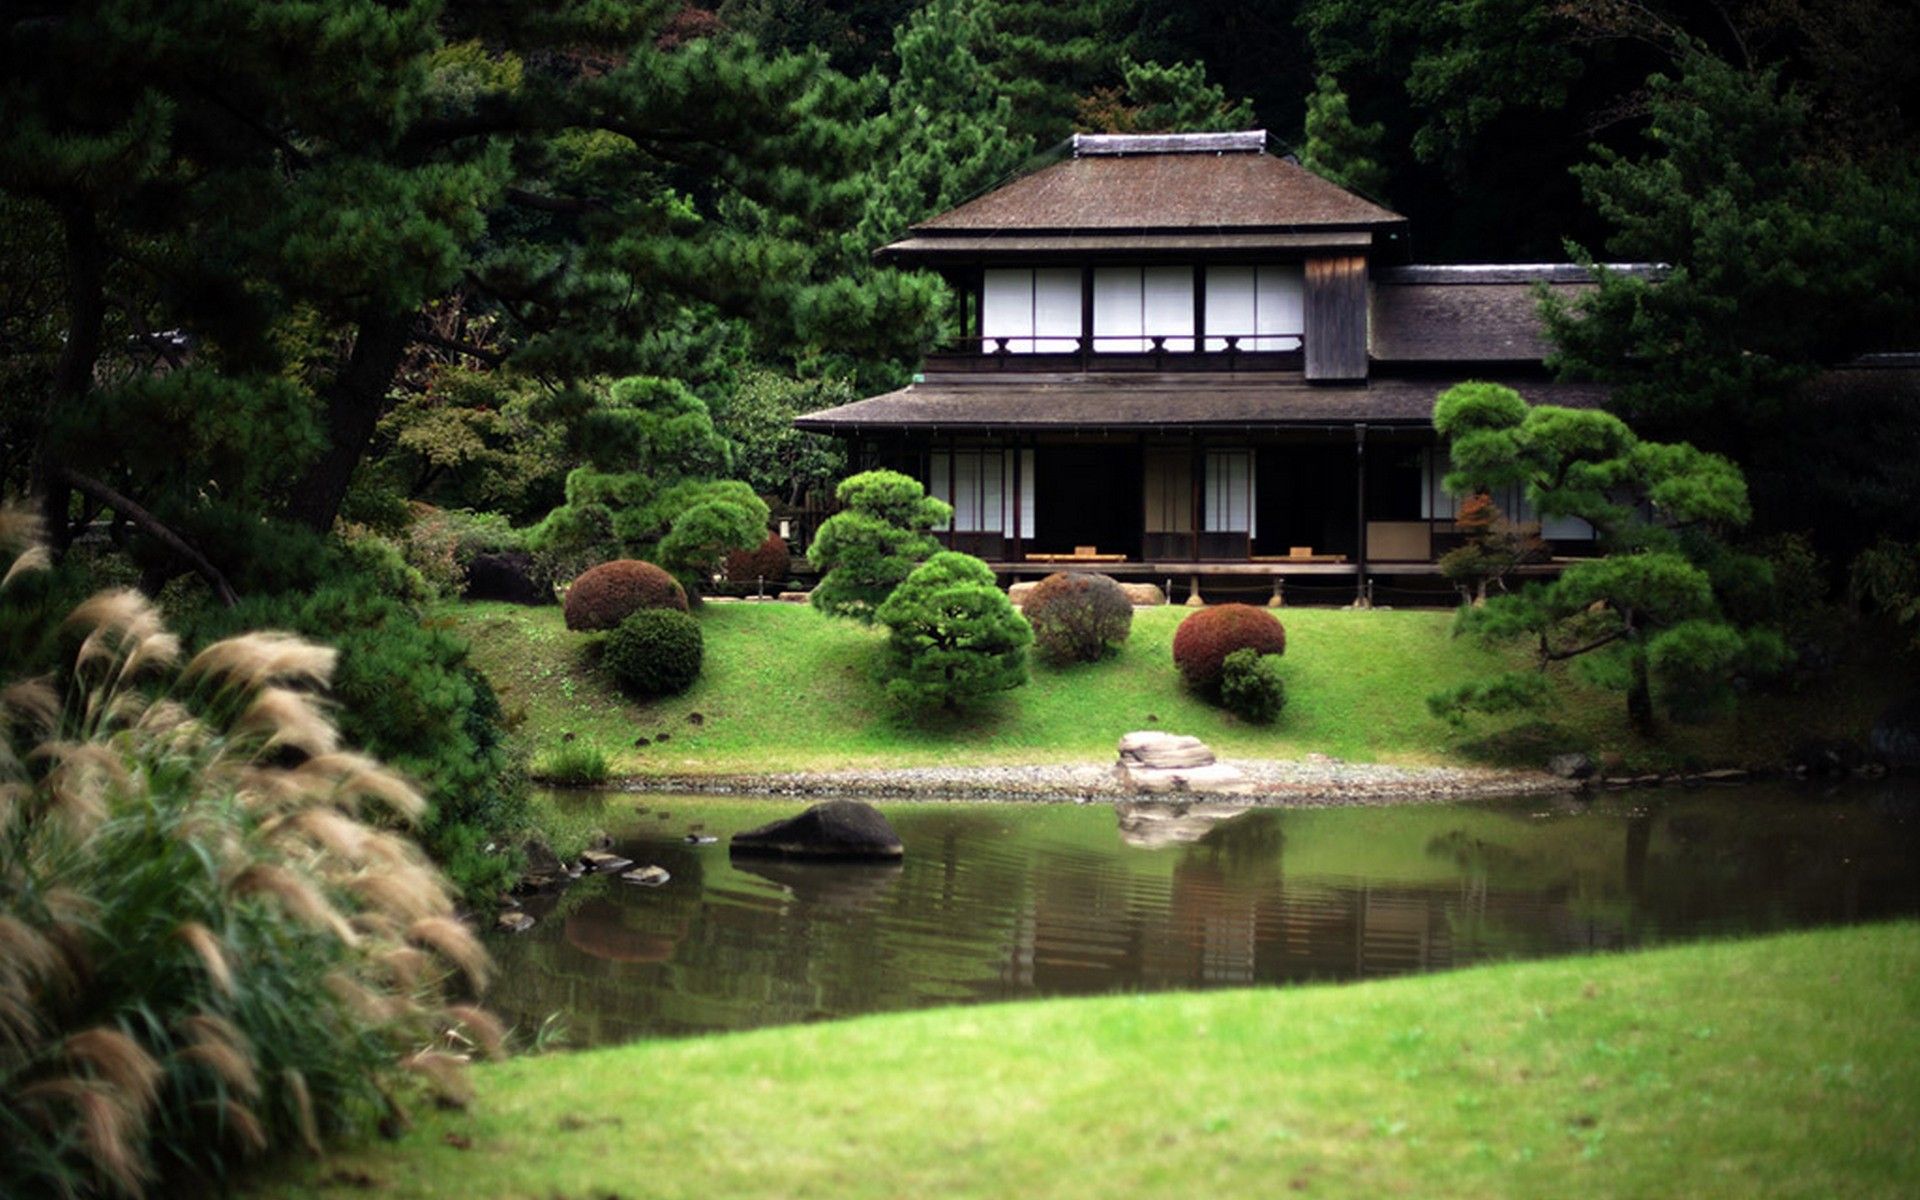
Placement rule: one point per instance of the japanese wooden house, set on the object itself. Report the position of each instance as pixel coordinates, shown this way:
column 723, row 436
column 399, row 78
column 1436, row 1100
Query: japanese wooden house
column 1185, row 357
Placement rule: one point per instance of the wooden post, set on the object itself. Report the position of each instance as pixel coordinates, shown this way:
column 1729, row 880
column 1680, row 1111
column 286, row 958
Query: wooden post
column 1018, row 471
column 1200, row 308
column 1086, row 318
column 1193, row 592
column 1279, row 597
column 1360, row 530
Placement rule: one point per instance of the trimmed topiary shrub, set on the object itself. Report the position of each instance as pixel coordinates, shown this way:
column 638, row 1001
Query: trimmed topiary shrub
column 655, row 652
column 1203, row 641
column 1077, row 618
column 611, row 592
column 956, row 637
column 1251, row 687
column 769, row 561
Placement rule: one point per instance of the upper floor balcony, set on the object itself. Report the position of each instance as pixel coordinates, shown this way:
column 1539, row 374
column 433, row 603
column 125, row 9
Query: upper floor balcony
column 1155, row 353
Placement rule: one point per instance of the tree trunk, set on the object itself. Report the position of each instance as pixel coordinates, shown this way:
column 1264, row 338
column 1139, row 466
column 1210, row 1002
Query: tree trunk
column 73, row 373
column 1640, row 694
column 356, row 401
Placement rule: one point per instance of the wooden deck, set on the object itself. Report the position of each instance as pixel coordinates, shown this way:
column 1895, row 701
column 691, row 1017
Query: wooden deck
column 1265, row 568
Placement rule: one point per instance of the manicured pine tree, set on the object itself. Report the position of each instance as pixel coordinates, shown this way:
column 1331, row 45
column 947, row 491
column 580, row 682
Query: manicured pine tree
column 955, row 639
column 1669, row 612
column 882, row 532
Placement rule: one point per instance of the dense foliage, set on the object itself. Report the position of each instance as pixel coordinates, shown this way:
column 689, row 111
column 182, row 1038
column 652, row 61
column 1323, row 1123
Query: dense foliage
column 654, row 652
column 1251, row 686
column 955, row 639
column 608, row 594
column 1671, row 612
column 215, row 943
column 882, row 531
column 1205, row 639
column 1077, row 617
column 767, row 563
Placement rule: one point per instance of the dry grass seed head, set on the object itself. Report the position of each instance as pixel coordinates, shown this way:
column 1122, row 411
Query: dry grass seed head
column 245, row 1127
column 77, row 784
column 457, row 944
column 359, row 777
column 405, row 966
column 119, row 1061
column 109, row 1133
column 253, row 660
column 482, row 1026
column 445, row 1073
column 283, row 717
column 32, row 704
column 303, row 1109
column 33, row 558
column 366, row 1004
column 212, row 955
column 332, row 831
column 217, row 1044
column 406, row 893
column 297, row 895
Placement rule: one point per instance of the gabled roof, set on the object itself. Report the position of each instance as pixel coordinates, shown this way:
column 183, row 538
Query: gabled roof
column 1160, row 189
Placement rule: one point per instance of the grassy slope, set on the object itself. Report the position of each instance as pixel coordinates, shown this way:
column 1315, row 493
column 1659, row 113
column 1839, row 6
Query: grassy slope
column 785, row 688
column 1777, row 1067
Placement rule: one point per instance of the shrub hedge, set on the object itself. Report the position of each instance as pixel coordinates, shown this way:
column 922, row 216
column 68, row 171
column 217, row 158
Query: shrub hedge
column 769, row 561
column 608, row 594
column 1077, row 618
column 1251, row 686
column 1203, row 641
column 655, row 652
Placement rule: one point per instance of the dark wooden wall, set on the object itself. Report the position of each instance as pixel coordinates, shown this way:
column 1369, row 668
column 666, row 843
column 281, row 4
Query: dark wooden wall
column 1336, row 317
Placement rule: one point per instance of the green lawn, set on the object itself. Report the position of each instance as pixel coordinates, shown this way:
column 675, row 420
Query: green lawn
column 785, row 688
column 1775, row 1067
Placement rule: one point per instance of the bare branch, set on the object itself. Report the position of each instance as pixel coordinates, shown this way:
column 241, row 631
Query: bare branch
column 152, row 526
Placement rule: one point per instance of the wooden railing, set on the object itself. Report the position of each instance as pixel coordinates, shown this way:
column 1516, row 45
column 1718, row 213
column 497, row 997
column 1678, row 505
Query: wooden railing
column 1122, row 352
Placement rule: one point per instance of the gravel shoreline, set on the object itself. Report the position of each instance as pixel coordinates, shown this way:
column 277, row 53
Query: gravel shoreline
column 1313, row 782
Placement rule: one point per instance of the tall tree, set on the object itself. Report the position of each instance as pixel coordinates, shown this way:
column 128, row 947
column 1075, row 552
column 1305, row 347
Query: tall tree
column 1339, row 147
column 1153, row 98
column 1047, row 54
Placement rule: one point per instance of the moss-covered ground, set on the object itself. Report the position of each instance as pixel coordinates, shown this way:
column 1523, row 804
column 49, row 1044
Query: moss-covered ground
column 1774, row 1067
column 785, row 689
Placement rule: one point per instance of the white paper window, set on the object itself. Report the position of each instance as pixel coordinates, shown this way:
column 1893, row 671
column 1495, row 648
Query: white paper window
column 1229, row 493
column 1134, row 305
column 1035, row 311
column 980, row 486
column 1262, row 306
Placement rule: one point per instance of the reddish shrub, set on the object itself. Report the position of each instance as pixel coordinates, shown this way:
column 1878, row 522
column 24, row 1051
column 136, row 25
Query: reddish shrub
column 608, row 594
column 769, row 561
column 1077, row 618
column 1203, row 641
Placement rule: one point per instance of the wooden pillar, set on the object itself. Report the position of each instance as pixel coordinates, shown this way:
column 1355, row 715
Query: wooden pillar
column 1086, row 317
column 1279, row 597
column 1360, row 524
column 1193, row 592
column 953, row 522
column 1200, row 308
column 1018, row 473
column 1196, row 469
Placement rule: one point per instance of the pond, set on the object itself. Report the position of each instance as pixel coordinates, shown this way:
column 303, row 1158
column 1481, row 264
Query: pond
column 1009, row 901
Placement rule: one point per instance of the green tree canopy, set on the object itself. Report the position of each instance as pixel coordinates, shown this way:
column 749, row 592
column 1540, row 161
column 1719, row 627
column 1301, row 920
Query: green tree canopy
column 883, row 531
column 954, row 637
column 1669, row 612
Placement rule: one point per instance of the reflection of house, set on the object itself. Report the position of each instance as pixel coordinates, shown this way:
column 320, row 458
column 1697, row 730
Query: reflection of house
column 1183, row 355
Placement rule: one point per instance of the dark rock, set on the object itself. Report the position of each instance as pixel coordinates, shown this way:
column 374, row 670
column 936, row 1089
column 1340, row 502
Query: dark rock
column 647, row 876
column 663, row 737
column 834, row 829
column 642, row 740
column 513, row 922
column 541, row 860
column 1571, row 766
column 1895, row 739
column 1824, row 758
column 600, row 862
column 694, row 718
column 511, row 577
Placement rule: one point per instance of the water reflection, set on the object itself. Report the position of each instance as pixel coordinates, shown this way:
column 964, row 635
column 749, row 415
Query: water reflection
column 1021, row 900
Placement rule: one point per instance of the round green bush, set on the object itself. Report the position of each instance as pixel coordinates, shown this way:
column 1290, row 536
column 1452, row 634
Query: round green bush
column 608, row 594
column 769, row 561
column 1203, row 641
column 1077, row 618
column 1251, row 687
column 655, row 652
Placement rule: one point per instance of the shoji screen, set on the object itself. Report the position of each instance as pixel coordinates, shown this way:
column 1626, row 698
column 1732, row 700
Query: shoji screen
column 1261, row 305
column 1133, row 305
column 1056, row 310
column 1229, row 491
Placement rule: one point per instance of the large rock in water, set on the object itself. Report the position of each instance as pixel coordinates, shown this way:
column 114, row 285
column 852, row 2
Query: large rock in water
column 1151, row 761
column 836, row 829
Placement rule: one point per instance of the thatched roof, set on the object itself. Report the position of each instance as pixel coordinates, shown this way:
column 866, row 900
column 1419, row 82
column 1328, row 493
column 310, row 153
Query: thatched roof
column 1159, row 402
column 1470, row 313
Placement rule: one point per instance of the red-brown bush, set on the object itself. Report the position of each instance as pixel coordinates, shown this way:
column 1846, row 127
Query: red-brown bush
column 769, row 561
column 1077, row 618
column 1203, row 641
column 608, row 594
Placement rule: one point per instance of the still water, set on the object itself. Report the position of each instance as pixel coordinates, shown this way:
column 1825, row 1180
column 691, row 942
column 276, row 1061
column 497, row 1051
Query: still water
column 1012, row 901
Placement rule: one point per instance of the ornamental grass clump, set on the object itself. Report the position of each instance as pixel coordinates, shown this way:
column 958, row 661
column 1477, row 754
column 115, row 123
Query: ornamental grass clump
column 608, row 594
column 1077, row 618
column 1203, row 641
column 956, row 639
column 213, row 941
column 655, row 652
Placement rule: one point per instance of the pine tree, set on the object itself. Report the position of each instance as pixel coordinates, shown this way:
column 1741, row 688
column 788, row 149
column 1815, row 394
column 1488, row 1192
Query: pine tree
column 1339, row 147
column 1160, row 99
column 955, row 639
column 1048, row 55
